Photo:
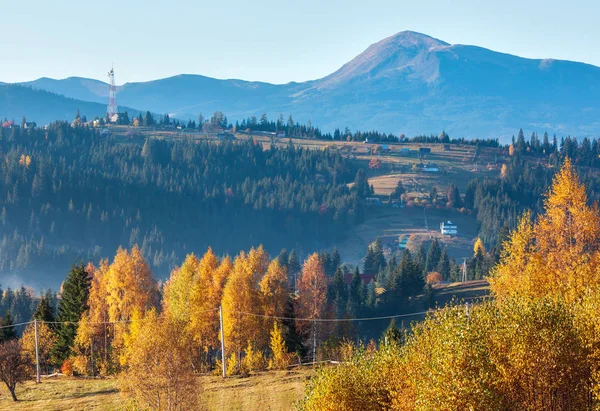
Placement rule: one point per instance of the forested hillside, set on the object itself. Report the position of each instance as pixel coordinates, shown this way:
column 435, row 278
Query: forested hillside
column 525, row 178
column 71, row 194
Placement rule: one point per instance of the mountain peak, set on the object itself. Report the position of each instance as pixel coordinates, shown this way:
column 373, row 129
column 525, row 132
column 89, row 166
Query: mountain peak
column 411, row 39
column 394, row 54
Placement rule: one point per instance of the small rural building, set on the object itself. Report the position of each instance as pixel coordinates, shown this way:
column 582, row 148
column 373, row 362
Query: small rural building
column 374, row 201
column 384, row 148
column 448, row 228
column 405, row 151
column 280, row 133
column 431, row 168
column 225, row 136
column 446, row 147
column 424, row 150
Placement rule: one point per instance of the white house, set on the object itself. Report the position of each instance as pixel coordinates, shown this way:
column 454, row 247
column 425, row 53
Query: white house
column 448, row 228
column 431, row 168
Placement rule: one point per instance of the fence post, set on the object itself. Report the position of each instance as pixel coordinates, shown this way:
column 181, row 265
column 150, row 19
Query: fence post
column 222, row 342
column 37, row 353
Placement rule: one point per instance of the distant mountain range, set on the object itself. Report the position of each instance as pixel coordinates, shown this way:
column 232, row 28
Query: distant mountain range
column 408, row 83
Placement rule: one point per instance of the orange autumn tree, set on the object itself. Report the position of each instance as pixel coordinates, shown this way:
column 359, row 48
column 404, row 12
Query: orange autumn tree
column 312, row 298
column 274, row 290
column 176, row 293
column 204, row 318
column 129, row 288
column 241, row 298
column 93, row 338
column 558, row 254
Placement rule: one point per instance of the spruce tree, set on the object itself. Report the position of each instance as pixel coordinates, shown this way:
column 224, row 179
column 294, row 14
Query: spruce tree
column 8, row 332
column 421, row 256
column 392, row 334
column 336, row 259
column 444, row 265
column 433, row 256
column 44, row 311
column 73, row 303
column 354, row 293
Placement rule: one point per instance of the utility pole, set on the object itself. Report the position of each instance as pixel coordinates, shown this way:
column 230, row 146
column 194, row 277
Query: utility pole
column 314, row 353
column 37, row 353
column 222, row 342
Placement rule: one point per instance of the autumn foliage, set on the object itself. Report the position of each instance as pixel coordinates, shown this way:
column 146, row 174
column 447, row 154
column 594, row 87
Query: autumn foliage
column 535, row 346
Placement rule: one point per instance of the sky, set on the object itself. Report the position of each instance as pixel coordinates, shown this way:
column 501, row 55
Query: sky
column 267, row 40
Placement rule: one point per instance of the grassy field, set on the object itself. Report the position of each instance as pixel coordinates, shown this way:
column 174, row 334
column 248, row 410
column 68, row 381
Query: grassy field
column 470, row 291
column 390, row 223
column 275, row 390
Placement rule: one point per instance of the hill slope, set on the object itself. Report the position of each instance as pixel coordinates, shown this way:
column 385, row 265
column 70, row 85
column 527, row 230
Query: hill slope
column 407, row 83
column 44, row 106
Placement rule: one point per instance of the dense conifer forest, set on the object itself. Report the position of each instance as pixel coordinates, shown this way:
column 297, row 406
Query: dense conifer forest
column 71, row 194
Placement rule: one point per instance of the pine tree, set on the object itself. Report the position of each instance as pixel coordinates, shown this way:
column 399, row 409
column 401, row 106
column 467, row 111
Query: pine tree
column 72, row 305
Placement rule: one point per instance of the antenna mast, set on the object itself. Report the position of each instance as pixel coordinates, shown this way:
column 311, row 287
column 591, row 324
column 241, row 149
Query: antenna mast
column 112, row 95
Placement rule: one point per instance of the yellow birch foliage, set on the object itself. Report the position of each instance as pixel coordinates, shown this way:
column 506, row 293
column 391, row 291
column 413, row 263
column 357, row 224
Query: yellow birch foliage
column 274, row 289
column 46, row 340
column 241, row 296
column 158, row 373
column 204, row 317
column 129, row 285
column 558, row 254
column 478, row 246
column 129, row 288
column 281, row 358
column 177, row 290
column 523, row 354
column 312, row 289
column 92, row 335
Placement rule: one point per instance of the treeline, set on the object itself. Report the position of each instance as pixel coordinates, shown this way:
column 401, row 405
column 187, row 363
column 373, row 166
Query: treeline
column 498, row 202
column 20, row 304
column 116, row 319
column 70, row 193
column 534, row 346
column 294, row 129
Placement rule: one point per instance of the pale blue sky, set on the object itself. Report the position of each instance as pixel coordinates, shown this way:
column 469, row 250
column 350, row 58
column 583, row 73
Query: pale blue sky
column 268, row 40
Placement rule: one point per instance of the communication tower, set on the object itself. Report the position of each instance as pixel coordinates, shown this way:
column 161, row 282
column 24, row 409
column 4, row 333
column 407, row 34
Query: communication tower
column 111, row 110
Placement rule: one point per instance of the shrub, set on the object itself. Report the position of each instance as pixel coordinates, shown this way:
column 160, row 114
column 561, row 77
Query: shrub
column 67, row 367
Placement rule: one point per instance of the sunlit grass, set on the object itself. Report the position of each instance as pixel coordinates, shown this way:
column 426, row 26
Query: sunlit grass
column 273, row 390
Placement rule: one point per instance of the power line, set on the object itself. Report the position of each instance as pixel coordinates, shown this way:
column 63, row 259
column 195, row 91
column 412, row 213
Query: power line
column 89, row 322
column 386, row 317
column 15, row 325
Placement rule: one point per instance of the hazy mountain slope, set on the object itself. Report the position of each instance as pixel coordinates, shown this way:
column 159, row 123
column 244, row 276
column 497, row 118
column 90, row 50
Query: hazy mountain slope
column 43, row 106
column 407, row 83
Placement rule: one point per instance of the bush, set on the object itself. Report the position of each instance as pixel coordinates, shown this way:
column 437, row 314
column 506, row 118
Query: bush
column 519, row 354
column 67, row 367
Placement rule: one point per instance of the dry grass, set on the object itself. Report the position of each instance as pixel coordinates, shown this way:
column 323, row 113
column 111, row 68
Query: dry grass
column 65, row 393
column 468, row 291
column 275, row 390
column 390, row 223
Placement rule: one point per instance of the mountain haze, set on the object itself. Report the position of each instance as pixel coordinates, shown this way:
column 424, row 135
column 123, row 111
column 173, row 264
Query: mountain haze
column 408, row 83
